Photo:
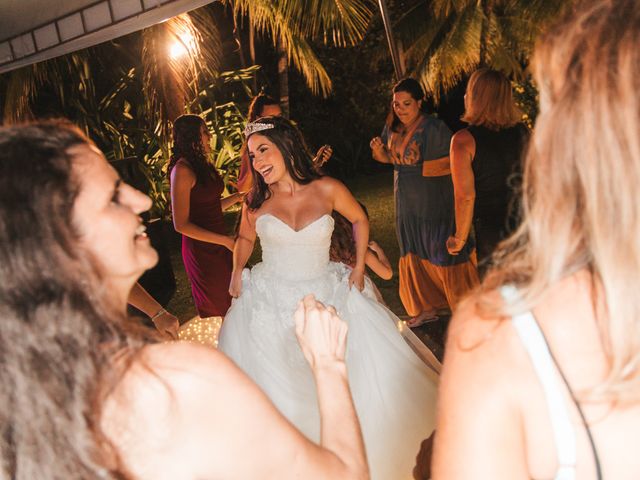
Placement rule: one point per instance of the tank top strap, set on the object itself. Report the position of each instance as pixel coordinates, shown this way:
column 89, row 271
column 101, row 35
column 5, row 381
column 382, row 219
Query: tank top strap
column 537, row 348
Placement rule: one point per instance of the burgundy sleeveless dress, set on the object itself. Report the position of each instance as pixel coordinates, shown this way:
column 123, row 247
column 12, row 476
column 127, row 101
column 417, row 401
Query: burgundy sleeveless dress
column 208, row 265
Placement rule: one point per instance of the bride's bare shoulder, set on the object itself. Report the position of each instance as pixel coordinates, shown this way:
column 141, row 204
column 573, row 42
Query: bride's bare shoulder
column 328, row 182
column 329, row 185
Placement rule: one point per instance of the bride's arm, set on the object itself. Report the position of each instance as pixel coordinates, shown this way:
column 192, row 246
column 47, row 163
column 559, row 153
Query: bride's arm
column 345, row 204
column 242, row 250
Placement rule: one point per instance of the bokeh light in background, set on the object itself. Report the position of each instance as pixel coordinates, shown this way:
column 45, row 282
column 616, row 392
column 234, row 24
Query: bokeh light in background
column 183, row 45
column 201, row 330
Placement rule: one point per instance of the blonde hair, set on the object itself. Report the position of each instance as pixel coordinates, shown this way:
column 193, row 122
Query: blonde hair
column 489, row 101
column 581, row 206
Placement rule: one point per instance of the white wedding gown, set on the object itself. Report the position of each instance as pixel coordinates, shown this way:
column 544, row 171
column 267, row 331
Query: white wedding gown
column 393, row 390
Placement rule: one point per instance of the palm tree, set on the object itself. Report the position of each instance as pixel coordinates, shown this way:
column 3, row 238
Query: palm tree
column 445, row 40
column 171, row 81
column 291, row 24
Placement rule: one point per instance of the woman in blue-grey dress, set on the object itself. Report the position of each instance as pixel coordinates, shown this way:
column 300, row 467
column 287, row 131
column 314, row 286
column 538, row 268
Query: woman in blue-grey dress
column 418, row 146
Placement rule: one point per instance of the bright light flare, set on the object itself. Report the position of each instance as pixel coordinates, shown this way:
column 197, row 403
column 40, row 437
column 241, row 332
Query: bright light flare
column 182, row 46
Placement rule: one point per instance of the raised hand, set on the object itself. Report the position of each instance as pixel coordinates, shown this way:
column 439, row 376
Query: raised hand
column 321, row 333
column 323, row 155
column 377, row 146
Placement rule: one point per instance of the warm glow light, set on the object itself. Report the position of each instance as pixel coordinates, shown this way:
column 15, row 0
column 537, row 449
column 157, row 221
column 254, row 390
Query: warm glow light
column 182, row 46
column 201, row 330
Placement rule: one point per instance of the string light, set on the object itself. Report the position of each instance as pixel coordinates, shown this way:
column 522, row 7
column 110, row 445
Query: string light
column 201, row 330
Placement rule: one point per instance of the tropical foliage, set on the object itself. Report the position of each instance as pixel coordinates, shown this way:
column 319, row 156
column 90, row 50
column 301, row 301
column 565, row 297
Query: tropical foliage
column 445, row 40
column 294, row 24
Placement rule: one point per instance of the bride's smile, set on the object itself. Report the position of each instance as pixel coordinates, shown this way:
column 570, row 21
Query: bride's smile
column 267, row 159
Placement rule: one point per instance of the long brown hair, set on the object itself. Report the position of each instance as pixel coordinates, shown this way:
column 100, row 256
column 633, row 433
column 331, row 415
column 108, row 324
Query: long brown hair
column 298, row 160
column 489, row 100
column 60, row 325
column 343, row 246
column 187, row 146
column 581, row 208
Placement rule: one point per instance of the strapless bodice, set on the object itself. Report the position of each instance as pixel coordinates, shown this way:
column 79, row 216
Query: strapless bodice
column 294, row 254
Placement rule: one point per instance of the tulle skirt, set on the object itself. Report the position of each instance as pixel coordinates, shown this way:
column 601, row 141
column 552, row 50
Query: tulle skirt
column 394, row 390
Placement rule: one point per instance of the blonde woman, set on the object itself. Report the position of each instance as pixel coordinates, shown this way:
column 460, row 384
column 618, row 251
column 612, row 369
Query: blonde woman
column 485, row 160
column 542, row 373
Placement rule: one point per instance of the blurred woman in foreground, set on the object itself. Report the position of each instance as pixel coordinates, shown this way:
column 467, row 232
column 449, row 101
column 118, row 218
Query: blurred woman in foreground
column 82, row 397
column 542, row 372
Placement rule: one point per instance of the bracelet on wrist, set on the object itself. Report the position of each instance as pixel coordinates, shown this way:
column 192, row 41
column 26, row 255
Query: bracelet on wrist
column 159, row 313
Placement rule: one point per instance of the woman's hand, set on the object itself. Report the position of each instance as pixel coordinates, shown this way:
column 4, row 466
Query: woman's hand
column 166, row 323
column 374, row 247
column 377, row 149
column 357, row 278
column 323, row 155
column 455, row 245
column 321, row 333
column 228, row 242
column 235, row 287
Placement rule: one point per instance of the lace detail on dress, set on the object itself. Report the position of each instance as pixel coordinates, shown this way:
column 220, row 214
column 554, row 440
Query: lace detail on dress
column 388, row 382
column 291, row 254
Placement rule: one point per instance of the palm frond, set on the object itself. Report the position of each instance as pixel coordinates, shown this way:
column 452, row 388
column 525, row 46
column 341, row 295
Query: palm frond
column 170, row 81
column 23, row 84
column 454, row 54
column 339, row 22
column 293, row 22
column 19, row 93
column 443, row 38
column 307, row 63
column 271, row 20
column 209, row 42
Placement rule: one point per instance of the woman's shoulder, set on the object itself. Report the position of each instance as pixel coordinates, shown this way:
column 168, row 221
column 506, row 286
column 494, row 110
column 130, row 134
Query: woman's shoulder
column 182, row 167
column 175, row 410
column 481, row 338
column 171, row 364
column 434, row 122
column 328, row 184
column 165, row 378
column 476, row 318
column 462, row 138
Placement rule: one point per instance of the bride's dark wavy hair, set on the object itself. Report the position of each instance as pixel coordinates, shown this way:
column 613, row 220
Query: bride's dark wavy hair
column 60, row 326
column 298, row 159
column 187, row 145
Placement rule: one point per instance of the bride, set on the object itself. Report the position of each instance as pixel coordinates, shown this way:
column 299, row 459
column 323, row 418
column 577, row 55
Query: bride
column 289, row 209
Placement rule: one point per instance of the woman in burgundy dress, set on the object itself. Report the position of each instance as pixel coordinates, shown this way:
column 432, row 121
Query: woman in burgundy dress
column 196, row 187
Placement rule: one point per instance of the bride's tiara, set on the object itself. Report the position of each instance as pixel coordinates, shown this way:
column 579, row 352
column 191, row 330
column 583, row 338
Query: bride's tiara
column 257, row 126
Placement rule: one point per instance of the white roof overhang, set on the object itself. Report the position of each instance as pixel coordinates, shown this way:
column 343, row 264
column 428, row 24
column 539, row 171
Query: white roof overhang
column 36, row 30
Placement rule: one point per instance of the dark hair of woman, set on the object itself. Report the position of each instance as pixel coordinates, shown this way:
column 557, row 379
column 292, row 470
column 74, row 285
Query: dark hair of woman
column 298, row 160
column 60, row 325
column 257, row 106
column 343, row 247
column 187, row 145
column 413, row 88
